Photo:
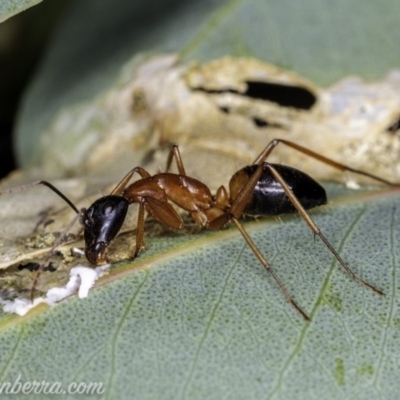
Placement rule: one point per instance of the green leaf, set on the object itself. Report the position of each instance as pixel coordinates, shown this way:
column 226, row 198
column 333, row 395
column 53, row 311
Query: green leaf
column 198, row 317
column 311, row 37
column 8, row 8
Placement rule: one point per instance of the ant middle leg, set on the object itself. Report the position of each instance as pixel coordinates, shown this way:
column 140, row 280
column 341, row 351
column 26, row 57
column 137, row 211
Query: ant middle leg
column 117, row 191
column 235, row 212
column 268, row 267
column 176, row 154
column 342, row 167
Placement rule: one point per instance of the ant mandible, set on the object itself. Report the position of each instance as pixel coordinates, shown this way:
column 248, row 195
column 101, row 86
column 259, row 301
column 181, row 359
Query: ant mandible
column 257, row 190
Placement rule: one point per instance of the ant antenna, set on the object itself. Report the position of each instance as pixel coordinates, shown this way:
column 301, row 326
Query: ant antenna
column 45, row 183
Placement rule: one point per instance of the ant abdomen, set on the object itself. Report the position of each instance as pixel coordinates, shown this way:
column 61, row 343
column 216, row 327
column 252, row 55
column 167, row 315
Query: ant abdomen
column 269, row 197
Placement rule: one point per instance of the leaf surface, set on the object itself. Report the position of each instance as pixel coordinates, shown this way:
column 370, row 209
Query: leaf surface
column 198, row 316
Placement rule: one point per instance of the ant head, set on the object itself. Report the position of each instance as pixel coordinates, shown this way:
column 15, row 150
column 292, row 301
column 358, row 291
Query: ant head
column 102, row 222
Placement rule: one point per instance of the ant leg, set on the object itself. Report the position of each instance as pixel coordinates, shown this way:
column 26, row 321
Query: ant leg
column 45, row 183
column 342, row 167
column 243, row 197
column 235, row 212
column 316, row 230
column 161, row 211
column 140, row 229
column 140, row 224
column 174, row 152
column 268, row 267
column 124, row 181
column 239, row 203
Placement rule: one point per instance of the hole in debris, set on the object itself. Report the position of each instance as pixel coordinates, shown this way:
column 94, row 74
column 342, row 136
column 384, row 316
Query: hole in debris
column 284, row 95
column 225, row 110
column 260, row 123
column 33, row 266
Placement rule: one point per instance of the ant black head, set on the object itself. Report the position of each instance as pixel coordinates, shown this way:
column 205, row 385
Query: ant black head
column 102, row 222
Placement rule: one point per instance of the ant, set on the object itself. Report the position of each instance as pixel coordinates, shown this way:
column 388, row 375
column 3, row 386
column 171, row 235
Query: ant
column 260, row 189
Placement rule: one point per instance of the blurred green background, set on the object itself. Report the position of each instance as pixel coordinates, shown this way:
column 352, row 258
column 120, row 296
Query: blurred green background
column 23, row 40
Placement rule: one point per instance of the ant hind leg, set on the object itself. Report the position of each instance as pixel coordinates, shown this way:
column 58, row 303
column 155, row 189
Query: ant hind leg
column 342, row 167
column 303, row 213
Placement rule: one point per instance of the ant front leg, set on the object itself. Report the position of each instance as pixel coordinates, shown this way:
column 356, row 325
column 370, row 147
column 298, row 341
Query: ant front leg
column 118, row 191
column 139, row 230
column 162, row 211
column 342, row 167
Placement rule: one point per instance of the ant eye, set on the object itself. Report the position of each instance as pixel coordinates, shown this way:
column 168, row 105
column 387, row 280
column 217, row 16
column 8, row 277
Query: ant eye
column 108, row 208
